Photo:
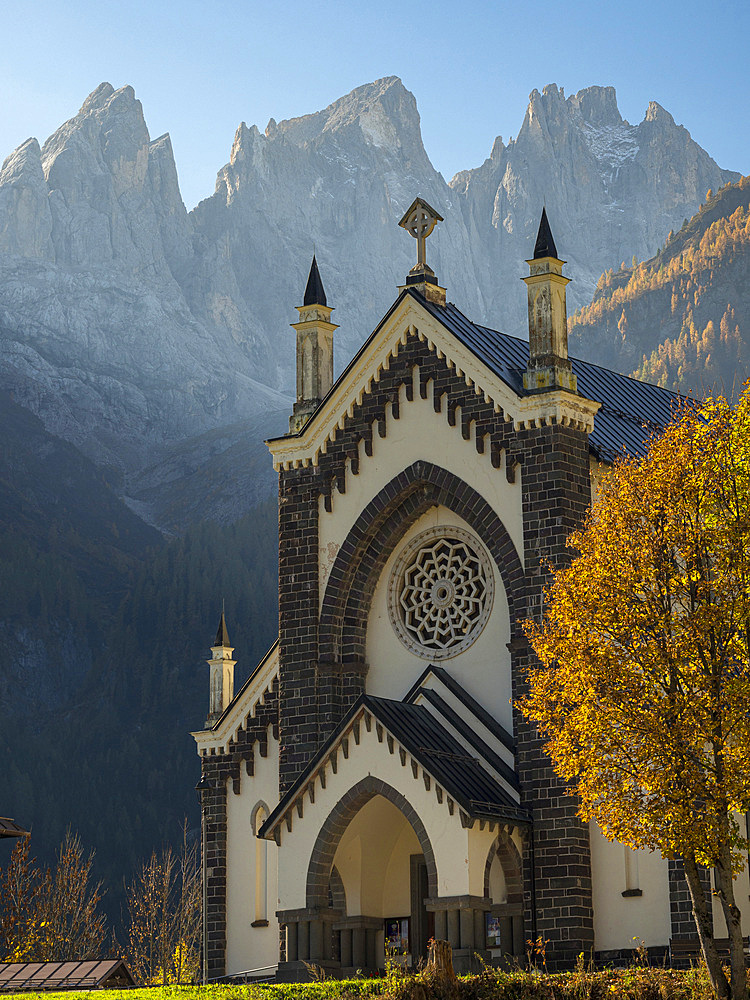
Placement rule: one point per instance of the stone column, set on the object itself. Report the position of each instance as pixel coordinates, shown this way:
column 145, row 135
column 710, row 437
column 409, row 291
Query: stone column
column 292, row 954
column 298, row 621
column 557, row 855
column 460, row 921
column 309, row 940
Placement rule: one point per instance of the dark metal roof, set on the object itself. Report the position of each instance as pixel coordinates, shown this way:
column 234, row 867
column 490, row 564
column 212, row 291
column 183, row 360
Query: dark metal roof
column 19, row 977
column 545, row 245
column 461, row 775
column 630, row 413
column 314, row 293
column 473, row 706
column 222, row 636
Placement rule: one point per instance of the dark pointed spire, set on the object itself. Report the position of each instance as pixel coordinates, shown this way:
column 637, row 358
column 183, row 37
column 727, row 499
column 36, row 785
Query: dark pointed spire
column 545, row 245
column 222, row 636
column 314, row 293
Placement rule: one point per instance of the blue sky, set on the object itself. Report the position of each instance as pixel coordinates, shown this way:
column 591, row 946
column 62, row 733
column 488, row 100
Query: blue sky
column 200, row 68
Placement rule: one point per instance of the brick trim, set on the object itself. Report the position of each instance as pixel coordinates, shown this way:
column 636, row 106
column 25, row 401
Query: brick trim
column 378, row 530
column 332, row 830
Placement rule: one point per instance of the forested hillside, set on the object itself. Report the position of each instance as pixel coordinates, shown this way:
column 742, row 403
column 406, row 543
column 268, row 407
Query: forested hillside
column 110, row 755
column 681, row 319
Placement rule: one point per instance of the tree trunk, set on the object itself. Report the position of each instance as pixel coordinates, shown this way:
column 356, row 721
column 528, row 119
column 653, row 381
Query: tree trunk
column 440, row 960
column 704, row 923
column 733, row 919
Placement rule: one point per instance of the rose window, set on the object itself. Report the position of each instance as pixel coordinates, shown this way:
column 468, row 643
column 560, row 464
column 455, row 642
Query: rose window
column 441, row 592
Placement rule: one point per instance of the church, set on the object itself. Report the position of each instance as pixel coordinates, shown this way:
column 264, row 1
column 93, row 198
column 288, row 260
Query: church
column 371, row 785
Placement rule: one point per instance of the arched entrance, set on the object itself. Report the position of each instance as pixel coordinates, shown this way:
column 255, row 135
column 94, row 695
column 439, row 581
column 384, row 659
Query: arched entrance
column 370, row 873
column 503, row 888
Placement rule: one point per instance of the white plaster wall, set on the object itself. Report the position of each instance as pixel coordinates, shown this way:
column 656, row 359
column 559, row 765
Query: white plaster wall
column 741, row 895
column 479, row 842
column 620, row 922
column 419, row 433
column 448, row 838
column 483, row 669
column 251, row 947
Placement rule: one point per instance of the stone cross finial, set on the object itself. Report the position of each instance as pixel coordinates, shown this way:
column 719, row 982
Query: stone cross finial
column 419, row 220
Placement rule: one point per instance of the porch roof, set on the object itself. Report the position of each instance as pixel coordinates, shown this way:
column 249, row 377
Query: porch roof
column 432, row 746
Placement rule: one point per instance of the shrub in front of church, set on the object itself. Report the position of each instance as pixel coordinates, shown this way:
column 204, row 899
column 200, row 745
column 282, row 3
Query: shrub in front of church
column 636, row 983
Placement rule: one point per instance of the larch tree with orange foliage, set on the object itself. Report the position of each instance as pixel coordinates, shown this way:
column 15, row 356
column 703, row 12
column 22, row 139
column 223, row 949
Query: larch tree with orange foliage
column 643, row 688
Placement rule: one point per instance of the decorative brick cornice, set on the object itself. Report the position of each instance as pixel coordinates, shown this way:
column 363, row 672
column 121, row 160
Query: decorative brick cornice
column 353, row 730
column 557, row 406
column 250, row 737
column 409, row 319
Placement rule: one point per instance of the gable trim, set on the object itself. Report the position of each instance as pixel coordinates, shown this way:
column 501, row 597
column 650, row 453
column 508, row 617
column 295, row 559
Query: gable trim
column 365, row 711
column 407, row 317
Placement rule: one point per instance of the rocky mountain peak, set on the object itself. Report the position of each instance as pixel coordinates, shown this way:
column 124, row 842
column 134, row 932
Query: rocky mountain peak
column 127, row 323
column 383, row 112
column 597, row 106
column 656, row 113
column 497, row 148
column 97, row 98
column 25, row 220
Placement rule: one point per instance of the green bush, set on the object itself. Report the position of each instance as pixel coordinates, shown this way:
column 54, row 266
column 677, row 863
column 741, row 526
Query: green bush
column 637, row 983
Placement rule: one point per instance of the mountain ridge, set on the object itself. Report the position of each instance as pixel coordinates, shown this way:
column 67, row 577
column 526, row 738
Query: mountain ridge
column 131, row 326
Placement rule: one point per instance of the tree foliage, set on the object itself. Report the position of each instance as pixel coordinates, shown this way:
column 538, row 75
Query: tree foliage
column 689, row 298
column 164, row 916
column 644, row 685
column 51, row 914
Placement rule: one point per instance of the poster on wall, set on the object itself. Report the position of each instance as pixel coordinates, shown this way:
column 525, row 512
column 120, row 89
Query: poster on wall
column 493, row 931
column 397, row 936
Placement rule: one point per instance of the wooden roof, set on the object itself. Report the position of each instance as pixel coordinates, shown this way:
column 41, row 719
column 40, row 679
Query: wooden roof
column 19, row 977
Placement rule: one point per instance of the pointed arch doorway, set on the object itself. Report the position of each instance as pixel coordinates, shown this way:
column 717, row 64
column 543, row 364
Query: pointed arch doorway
column 374, row 863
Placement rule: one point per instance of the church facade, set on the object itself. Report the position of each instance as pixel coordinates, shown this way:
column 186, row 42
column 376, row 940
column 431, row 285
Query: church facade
column 371, row 785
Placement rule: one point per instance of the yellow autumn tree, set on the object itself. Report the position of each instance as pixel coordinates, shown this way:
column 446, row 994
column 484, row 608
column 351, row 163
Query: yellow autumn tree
column 643, row 688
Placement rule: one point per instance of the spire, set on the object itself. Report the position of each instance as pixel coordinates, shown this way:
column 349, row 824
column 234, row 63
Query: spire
column 221, row 674
column 314, row 293
column 545, row 245
column 549, row 368
column 222, row 636
column 314, row 350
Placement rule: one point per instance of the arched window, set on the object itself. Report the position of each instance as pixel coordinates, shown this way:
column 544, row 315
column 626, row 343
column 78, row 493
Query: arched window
column 260, row 815
column 632, row 881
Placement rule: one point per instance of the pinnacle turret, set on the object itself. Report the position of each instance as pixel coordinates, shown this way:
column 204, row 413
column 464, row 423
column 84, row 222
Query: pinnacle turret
column 545, row 244
column 315, row 294
column 222, row 636
column 314, row 350
column 549, row 367
column 221, row 674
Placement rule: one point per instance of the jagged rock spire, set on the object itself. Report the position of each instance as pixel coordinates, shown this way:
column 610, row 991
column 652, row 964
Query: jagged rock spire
column 314, row 292
column 222, row 636
column 545, row 244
